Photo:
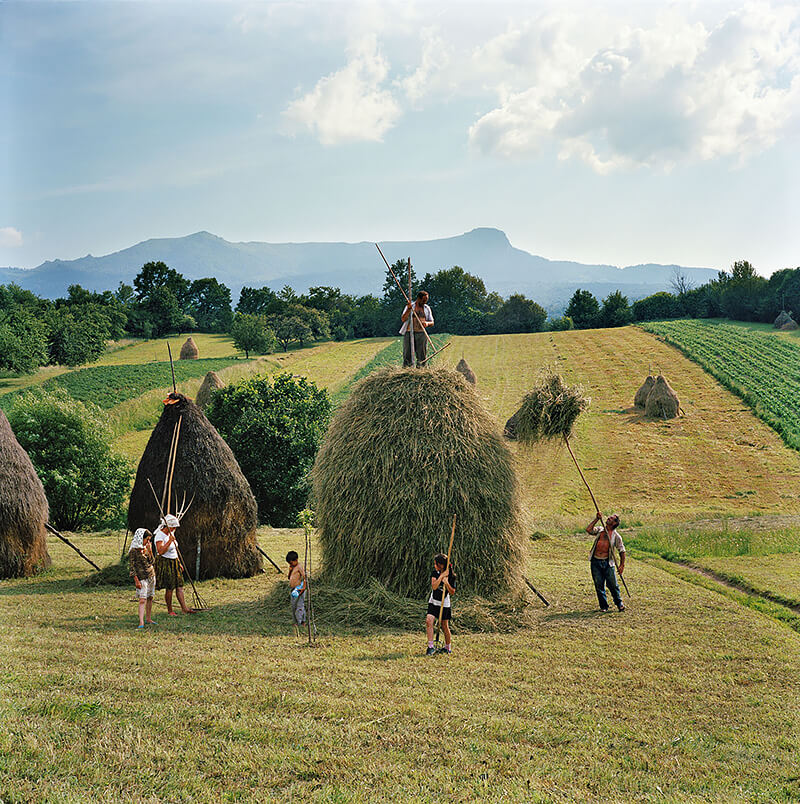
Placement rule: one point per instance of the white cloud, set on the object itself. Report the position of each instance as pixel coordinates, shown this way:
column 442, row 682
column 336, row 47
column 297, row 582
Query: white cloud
column 655, row 96
column 352, row 104
column 10, row 237
column 435, row 58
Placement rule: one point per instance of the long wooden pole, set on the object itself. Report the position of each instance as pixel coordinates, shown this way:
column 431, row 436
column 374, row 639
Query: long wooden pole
column 68, row 542
column 444, row 591
column 269, row 559
column 534, row 590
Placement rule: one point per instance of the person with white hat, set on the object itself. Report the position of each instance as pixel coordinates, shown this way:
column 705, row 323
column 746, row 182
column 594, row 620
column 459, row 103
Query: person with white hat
column 169, row 570
column 144, row 576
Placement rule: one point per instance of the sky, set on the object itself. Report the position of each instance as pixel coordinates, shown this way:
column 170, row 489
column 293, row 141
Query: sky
column 602, row 132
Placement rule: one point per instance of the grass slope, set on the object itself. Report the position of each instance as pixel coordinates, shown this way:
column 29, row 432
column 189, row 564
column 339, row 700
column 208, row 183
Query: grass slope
column 717, row 460
column 688, row 696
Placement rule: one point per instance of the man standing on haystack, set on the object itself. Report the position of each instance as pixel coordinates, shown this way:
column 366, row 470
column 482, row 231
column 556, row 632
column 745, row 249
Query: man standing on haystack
column 421, row 320
column 601, row 556
column 169, row 571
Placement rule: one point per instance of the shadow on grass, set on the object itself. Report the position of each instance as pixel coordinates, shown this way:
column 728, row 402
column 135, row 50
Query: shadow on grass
column 38, row 586
column 575, row 616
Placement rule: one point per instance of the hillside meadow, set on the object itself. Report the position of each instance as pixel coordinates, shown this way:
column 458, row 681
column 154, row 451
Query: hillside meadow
column 691, row 694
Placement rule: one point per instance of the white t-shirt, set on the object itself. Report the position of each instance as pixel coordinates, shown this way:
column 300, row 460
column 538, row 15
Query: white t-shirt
column 160, row 536
column 427, row 317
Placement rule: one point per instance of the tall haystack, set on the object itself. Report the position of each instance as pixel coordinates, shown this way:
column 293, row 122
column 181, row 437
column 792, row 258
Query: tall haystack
column 662, row 401
column 189, row 350
column 789, row 326
column 406, row 451
column 23, row 510
column 469, row 374
column 640, row 400
column 211, row 383
column 223, row 515
column 783, row 318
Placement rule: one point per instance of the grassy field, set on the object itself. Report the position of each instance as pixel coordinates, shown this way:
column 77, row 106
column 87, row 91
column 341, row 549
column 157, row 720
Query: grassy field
column 687, row 697
column 717, row 460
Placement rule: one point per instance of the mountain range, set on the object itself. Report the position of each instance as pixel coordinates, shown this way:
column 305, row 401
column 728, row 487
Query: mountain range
column 354, row 267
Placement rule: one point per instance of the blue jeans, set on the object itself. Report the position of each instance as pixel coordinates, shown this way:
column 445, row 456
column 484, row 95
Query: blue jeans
column 603, row 574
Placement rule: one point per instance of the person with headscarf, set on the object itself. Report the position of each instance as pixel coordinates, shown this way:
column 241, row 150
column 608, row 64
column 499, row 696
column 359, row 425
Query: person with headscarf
column 144, row 575
column 169, row 570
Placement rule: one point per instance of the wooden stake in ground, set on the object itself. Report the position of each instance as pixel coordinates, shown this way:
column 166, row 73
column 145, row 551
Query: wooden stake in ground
column 68, row 542
column 270, row 560
column 444, row 591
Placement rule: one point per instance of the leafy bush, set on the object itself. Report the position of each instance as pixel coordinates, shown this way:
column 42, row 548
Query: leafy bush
column 274, row 427
column 23, row 341
column 68, row 442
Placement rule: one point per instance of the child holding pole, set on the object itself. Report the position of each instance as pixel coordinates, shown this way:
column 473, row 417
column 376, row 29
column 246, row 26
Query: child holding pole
column 443, row 584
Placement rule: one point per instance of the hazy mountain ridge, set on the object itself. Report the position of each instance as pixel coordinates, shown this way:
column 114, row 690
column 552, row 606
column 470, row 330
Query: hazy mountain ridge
column 353, row 267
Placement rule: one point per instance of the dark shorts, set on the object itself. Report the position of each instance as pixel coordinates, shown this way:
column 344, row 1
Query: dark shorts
column 433, row 608
column 168, row 573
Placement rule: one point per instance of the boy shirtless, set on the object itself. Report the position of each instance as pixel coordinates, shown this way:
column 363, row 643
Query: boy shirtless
column 297, row 585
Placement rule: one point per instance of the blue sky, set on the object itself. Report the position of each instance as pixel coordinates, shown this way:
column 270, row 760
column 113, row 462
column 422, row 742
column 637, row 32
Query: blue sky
column 611, row 132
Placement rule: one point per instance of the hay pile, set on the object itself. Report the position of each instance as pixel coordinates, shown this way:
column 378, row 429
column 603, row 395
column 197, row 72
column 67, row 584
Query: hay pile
column 189, row 350
column 211, row 383
column 223, row 515
column 789, row 326
column 782, row 319
column 549, row 410
column 406, row 451
column 464, row 369
column 662, row 401
column 23, row 510
column 510, row 429
column 640, row 400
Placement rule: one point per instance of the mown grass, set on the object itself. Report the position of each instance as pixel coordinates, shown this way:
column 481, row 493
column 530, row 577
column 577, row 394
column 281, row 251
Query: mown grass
column 655, row 704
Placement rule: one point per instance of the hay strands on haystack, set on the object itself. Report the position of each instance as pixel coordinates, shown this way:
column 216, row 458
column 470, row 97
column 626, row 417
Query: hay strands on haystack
column 413, row 312
column 444, row 591
column 70, row 544
column 164, row 505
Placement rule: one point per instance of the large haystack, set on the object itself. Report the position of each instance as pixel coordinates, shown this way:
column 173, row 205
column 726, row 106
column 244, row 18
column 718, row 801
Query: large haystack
column 782, row 319
column 549, row 410
column 224, row 513
column 211, row 383
column 662, row 401
column 189, row 350
column 23, row 510
column 406, row 451
column 640, row 400
column 789, row 326
column 469, row 374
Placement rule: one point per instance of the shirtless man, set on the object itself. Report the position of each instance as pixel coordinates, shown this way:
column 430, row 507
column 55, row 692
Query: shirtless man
column 601, row 556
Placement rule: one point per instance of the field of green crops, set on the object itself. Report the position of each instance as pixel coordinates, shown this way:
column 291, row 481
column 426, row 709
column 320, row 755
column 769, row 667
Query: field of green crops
column 761, row 368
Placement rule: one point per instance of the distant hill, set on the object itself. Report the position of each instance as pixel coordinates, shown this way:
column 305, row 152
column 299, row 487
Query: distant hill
column 353, row 267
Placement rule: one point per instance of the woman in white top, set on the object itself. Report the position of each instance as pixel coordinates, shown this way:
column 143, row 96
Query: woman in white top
column 169, row 570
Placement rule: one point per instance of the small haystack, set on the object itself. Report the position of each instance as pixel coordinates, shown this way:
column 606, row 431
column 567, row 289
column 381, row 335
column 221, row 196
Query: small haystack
column 789, row 326
column 23, row 510
column 406, row 451
column 640, row 400
column 662, row 401
column 549, row 410
column 469, row 374
column 223, row 515
column 211, row 383
column 189, row 350
column 782, row 319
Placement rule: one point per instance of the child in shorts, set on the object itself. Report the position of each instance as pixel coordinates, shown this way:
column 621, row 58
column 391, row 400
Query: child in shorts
column 443, row 582
column 297, row 585
column 144, row 574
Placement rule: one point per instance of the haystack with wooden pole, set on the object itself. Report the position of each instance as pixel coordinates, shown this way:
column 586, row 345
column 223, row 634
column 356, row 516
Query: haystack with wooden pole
column 211, row 383
column 464, row 369
column 189, row 350
column 222, row 518
column 783, row 318
column 640, row 399
column 23, row 510
column 662, row 401
column 405, row 452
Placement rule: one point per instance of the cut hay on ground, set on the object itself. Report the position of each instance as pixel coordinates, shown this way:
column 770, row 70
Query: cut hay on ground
column 640, row 400
column 211, row 383
column 662, row 401
column 118, row 574
column 339, row 609
column 789, row 326
column 223, row 514
column 23, row 510
column 549, row 410
column 406, row 451
column 782, row 319
column 469, row 374
column 189, row 350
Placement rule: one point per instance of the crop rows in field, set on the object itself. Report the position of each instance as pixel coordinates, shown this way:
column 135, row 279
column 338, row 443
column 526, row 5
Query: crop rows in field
column 763, row 369
column 107, row 386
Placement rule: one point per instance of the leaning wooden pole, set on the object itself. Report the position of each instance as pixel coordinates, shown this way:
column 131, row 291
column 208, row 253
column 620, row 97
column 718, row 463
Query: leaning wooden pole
column 444, row 591
column 68, row 542
column 269, row 559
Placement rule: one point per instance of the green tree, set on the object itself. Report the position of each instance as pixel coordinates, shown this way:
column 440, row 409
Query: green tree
column 77, row 334
column 657, row 307
column 251, row 333
column 274, row 427
column 616, row 311
column 68, row 442
column 454, row 291
column 290, row 328
column 163, row 311
column 583, row 309
column 209, row 303
column 259, row 301
column 519, row 314
column 561, row 324
column 155, row 275
column 23, row 341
